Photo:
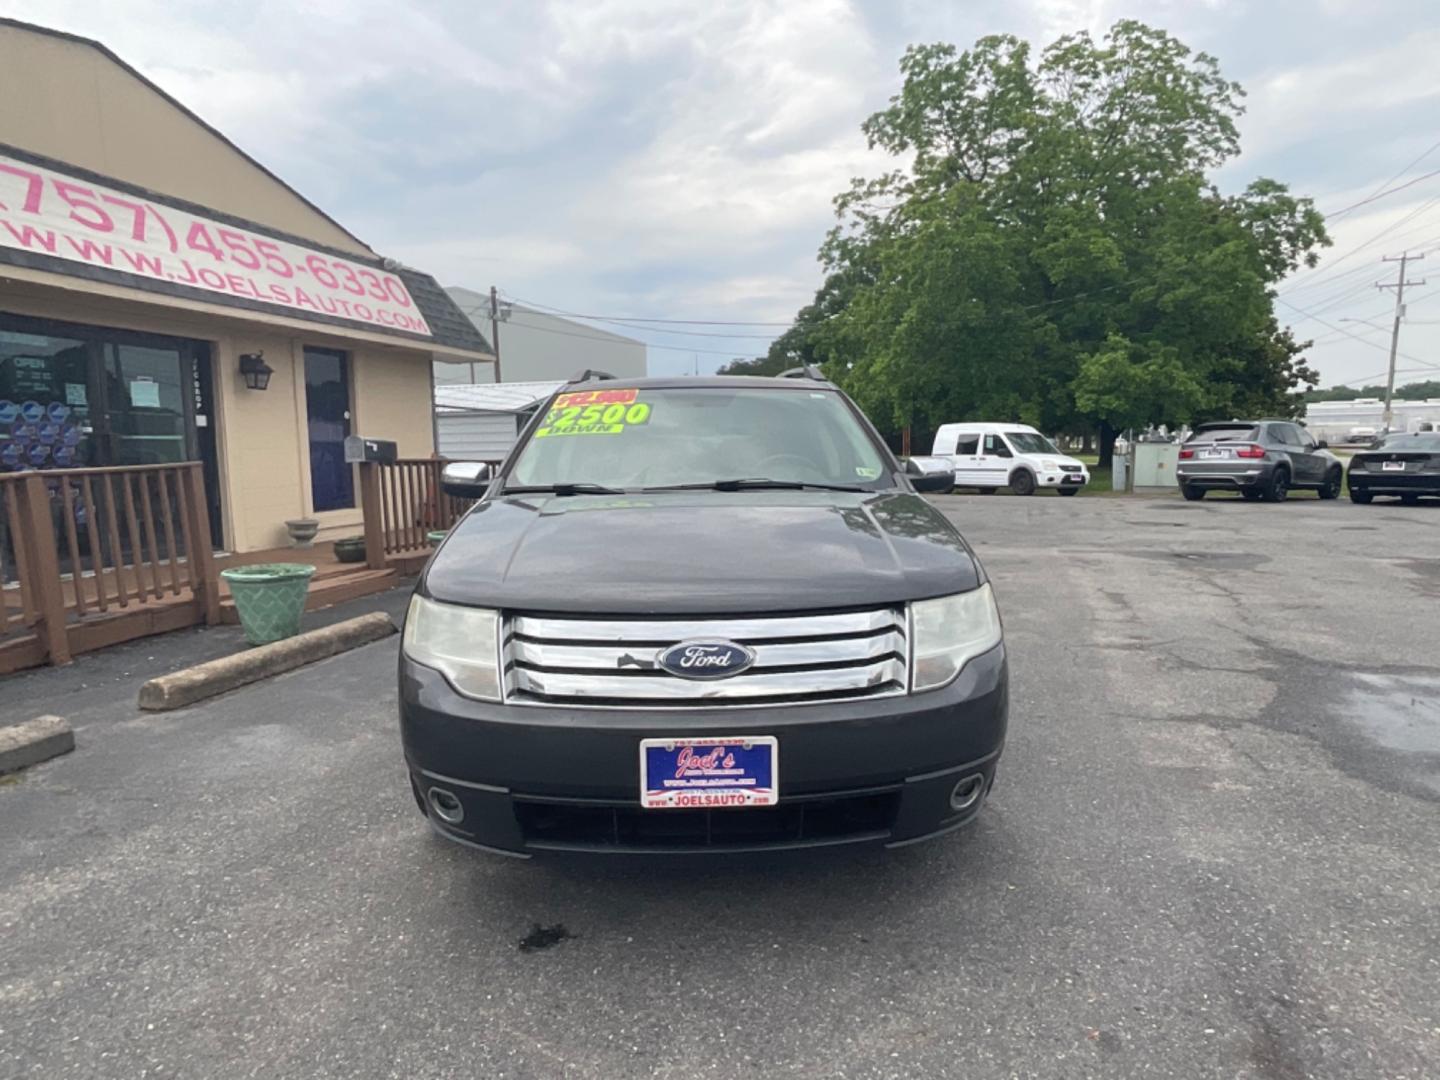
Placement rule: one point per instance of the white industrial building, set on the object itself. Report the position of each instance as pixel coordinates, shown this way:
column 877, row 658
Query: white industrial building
column 1334, row 421
column 538, row 346
column 481, row 422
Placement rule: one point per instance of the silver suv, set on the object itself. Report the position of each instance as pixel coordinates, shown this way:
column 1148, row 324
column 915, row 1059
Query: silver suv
column 1261, row 459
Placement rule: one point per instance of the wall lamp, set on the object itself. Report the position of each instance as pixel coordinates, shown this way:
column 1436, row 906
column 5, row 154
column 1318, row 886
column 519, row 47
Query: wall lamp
column 255, row 371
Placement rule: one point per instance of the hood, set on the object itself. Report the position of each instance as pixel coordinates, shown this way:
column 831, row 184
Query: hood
column 700, row 552
column 1060, row 459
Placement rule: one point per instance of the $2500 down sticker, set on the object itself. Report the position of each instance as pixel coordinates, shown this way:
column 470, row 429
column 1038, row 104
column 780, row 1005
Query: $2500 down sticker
column 594, row 412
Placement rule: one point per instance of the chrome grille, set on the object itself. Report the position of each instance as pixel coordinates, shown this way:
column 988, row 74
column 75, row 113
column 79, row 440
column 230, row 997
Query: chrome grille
column 611, row 662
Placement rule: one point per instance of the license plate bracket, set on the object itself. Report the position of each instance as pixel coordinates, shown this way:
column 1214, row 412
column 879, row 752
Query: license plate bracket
column 1392, row 466
column 709, row 772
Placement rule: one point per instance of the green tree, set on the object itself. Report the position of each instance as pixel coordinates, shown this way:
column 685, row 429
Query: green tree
column 759, row 365
column 1053, row 252
column 1416, row 391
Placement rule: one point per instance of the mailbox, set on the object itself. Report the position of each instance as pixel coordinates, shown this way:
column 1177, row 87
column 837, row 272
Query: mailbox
column 358, row 449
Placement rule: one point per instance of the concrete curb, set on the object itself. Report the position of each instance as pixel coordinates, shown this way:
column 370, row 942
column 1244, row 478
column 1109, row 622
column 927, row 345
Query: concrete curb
column 181, row 688
column 34, row 741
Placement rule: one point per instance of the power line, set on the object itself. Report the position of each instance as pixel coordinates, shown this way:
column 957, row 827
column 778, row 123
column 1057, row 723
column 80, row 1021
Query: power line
column 1383, row 194
column 1357, row 337
column 1426, row 153
column 647, row 319
column 1424, row 207
column 593, row 337
column 658, row 330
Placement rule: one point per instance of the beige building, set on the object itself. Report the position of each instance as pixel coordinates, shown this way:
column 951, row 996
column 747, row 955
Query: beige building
column 152, row 275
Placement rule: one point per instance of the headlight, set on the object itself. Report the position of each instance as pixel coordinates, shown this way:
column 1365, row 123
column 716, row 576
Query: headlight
column 948, row 633
column 462, row 643
column 1048, row 464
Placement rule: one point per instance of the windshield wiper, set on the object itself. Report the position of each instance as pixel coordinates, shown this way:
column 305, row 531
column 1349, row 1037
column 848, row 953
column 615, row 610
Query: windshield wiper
column 560, row 489
column 758, row 483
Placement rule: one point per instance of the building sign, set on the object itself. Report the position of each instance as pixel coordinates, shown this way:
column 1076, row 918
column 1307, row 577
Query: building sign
column 49, row 213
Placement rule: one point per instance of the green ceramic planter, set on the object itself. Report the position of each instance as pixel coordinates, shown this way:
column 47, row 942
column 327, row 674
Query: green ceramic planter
column 270, row 598
column 350, row 550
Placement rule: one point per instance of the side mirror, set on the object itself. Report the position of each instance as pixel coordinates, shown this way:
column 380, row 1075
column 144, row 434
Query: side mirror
column 1322, row 445
column 939, row 480
column 465, row 479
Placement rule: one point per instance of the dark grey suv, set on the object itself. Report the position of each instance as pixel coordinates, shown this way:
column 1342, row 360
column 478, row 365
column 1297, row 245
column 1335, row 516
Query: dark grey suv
column 699, row 615
column 1261, row 459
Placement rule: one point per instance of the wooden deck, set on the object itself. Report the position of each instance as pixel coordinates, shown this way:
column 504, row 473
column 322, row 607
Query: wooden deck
column 98, row 555
column 334, row 582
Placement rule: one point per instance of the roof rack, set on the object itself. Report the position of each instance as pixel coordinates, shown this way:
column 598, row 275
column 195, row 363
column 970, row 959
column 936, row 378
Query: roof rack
column 804, row 371
column 590, row 373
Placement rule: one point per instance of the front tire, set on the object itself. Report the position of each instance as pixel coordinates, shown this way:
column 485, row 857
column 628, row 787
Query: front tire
column 1192, row 493
column 1334, row 480
column 1278, row 487
column 1022, row 482
column 1361, row 496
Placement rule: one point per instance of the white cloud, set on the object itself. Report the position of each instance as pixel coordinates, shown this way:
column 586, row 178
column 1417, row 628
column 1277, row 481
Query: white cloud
column 678, row 159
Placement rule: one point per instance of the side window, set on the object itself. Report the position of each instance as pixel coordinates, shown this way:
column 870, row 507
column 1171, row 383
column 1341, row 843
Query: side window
column 1275, row 434
column 1293, row 435
column 968, row 445
column 1306, row 439
column 995, row 446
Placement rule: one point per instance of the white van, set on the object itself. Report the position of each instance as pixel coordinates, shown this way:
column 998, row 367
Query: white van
column 992, row 456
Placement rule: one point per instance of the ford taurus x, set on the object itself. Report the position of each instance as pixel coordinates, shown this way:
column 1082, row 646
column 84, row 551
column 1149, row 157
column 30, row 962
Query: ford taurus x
column 700, row 614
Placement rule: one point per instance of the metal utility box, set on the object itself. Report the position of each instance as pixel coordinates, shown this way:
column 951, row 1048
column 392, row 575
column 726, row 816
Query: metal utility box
column 1155, row 464
column 358, row 449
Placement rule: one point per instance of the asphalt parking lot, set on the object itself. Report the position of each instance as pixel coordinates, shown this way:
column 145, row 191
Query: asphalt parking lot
column 1211, row 852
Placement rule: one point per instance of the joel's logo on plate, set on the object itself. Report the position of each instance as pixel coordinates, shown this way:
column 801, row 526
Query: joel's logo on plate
column 705, row 659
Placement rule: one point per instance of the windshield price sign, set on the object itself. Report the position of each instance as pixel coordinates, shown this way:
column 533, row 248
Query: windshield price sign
column 594, row 412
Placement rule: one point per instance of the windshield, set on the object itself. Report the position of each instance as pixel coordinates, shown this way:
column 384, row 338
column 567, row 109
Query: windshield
column 1227, row 434
column 1421, row 441
column 630, row 439
column 1027, row 442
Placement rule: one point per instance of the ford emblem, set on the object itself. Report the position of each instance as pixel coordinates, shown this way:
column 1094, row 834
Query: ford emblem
column 705, row 659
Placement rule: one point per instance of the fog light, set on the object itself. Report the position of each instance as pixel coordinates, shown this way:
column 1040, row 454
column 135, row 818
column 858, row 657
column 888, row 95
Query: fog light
column 445, row 805
column 967, row 792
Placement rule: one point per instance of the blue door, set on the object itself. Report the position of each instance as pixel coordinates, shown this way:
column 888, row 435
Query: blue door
column 327, row 407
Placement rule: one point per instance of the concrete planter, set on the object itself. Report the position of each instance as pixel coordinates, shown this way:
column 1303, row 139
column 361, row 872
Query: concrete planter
column 302, row 532
column 269, row 598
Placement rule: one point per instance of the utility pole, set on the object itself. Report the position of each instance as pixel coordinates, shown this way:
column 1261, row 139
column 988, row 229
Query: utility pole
column 1399, row 286
column 495, row 331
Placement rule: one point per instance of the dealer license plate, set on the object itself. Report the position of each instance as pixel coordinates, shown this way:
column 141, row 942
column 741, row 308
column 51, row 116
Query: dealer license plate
column 710, row 773
column 1392, row 466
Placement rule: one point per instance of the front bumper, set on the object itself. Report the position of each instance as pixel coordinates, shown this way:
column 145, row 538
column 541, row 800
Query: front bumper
column 535, row 778
column 1062, row 479
column 1230, row 475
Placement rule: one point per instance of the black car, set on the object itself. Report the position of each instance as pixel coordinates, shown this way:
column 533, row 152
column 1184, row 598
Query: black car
column 1261, row 459
column 696, row 615
column 1397, row 464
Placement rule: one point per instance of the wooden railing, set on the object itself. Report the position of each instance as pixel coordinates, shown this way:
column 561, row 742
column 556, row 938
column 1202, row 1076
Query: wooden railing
column 403, row 502
column 78, row 544
column 19, row 610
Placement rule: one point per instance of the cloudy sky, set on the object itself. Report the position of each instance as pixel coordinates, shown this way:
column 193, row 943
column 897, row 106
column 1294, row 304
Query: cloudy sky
column 676, row 159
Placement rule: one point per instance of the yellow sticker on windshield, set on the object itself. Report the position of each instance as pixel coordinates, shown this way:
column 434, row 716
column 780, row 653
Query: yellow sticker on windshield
column 594, row 412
